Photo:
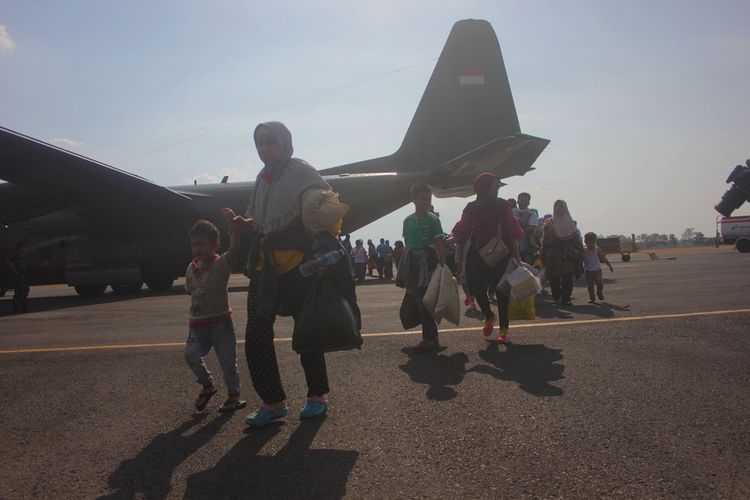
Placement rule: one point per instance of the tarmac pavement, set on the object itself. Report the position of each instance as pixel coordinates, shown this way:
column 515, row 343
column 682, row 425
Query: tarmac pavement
column 645, row 395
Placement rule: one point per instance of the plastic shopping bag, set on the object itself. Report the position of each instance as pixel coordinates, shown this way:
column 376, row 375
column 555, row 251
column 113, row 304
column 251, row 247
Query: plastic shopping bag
column 523, row 283
column 448, row 304
column 542, row 276
column 430, row 299
column 521, row 309
column 326, row 322
column 503, row 286
column 409, row 312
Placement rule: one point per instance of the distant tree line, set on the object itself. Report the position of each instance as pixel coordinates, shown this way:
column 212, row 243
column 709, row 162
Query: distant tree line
column 689, row 237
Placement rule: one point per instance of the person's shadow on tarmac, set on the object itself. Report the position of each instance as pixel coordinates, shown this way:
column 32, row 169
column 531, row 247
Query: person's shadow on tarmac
column 438, row 371
column 149, row 474
column 531, row 366
column 295, row 471
column 547, row 310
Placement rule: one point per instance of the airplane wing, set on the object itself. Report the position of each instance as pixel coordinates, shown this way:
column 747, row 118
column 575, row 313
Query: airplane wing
column 45, row 168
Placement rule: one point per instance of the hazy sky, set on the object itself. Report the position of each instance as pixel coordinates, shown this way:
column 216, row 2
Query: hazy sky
column 646, row 103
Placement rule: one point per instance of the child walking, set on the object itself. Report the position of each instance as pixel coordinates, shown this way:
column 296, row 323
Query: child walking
column 211, row 324
column 593, row 258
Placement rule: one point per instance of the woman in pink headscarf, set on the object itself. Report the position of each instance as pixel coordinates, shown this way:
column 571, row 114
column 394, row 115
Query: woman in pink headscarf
column 480, row 222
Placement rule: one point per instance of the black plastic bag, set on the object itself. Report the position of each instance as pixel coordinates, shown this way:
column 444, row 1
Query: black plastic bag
column 409, row 312
column 327, row 322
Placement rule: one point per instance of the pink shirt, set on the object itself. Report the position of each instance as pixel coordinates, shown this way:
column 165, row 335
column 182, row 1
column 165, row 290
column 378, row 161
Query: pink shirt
column 483, row 221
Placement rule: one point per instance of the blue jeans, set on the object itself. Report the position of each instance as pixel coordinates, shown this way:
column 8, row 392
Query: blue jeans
column 221, row 338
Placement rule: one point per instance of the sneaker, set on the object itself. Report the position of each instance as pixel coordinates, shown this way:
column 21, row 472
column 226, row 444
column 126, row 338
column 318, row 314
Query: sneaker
column 600, row 295
column 502, row 338
column 427, row 345
column 567, row 302
column 592, row 300
column 489, row 325
column 265, row 415
column 314, row 407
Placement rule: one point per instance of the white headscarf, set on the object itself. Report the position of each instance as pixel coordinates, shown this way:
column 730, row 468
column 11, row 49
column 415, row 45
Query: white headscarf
column 564, row 225
column 276, row 201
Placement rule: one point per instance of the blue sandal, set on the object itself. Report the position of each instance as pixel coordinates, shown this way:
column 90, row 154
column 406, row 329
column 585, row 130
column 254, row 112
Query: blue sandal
column 314, row 407
column 265, row 415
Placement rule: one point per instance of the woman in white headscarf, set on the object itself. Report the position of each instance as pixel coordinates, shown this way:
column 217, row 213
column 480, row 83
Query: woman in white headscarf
column 561, row 252
column 280, row 245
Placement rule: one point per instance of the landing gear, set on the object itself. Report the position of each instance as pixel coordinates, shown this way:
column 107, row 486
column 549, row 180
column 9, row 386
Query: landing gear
column 626, row 257
column 159, row 284
column 90, row 290
column 127, row 288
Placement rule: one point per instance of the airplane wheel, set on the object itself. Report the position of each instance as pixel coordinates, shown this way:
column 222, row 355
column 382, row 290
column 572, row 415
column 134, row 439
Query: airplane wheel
column 90, row 290
column 626, row 258
column 743, row 245
column 159, row 284
column 126, row 288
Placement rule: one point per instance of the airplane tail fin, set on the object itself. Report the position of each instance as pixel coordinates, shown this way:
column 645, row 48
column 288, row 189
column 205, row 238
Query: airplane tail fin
column 465, row 123
column 467, row 102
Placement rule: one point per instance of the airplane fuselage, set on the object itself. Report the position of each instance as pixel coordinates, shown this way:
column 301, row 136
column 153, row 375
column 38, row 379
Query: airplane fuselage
column 84, row 245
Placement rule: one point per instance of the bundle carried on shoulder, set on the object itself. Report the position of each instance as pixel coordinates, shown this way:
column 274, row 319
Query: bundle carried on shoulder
column 321, row 209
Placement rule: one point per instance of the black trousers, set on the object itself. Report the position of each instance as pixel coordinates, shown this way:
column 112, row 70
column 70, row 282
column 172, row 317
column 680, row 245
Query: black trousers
column 20, row 294
column 259, row 346
column 484, row 279
column 562, row 286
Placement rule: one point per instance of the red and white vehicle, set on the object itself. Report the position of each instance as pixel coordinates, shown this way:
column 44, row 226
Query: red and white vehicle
column 736, row 231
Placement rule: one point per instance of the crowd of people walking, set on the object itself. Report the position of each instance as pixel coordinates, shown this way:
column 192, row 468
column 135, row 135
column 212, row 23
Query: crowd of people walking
column 296, row 267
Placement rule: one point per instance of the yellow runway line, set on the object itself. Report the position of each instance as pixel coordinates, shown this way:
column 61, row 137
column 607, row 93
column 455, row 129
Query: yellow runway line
column 400, row 333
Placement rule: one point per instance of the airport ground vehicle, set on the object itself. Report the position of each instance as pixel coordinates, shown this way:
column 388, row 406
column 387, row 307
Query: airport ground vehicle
column 614, row 245
column 736, row 231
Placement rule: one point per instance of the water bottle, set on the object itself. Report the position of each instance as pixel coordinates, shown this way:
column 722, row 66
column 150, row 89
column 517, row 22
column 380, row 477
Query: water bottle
column 327, row 259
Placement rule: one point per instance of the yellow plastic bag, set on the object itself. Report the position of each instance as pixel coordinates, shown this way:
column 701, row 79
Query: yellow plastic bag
column 522, row 309
column 322, row 210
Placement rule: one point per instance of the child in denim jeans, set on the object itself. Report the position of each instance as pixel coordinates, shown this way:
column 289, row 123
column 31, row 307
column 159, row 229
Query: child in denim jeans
column 593, row 258
column 211, row 325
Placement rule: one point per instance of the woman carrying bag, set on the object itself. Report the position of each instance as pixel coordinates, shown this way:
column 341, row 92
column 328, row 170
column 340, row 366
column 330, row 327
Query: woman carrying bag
column 489, row 234
column 279, row 245
column 561, row 253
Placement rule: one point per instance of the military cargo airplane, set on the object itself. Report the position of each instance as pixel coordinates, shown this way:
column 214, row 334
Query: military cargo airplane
column 91, row 225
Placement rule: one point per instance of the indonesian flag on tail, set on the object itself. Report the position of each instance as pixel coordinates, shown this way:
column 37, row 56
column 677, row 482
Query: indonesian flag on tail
column 471, row 76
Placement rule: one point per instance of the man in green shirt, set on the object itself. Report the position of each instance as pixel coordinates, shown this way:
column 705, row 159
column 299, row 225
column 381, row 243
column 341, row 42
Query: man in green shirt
column 424, row 237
